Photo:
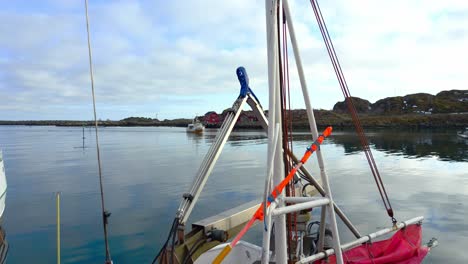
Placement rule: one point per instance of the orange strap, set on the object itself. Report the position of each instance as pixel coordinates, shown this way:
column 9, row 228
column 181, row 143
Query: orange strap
column 279, row 188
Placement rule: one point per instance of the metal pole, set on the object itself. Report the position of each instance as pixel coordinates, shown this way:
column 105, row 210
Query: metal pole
column 281, row 238
column 257, row 109
column 323, row 218
column 274, row 118
column 313, row 128
column 213, row 148
column 202, row 170
column 267, row 235
column 320, row 189
column 300, row 206
column 57, row 196
column 214, row 152
column 300, row 199
column 267, row 189
column 268, row 185
column 338, row 211
column 209, row 156
column 312, row 180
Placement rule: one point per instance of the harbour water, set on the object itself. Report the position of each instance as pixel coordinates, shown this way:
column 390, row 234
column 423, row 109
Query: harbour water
column 146, row 171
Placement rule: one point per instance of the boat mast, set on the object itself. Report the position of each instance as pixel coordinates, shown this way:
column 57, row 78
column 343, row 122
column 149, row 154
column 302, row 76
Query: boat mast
column 274, row 121
column 275, row 141
column 314, row 130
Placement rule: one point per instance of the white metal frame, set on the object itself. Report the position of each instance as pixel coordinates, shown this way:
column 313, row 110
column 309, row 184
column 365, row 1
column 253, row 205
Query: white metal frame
column 186, row 206
column 360, row 241
column 272, row 19
column 275, row 171
column 277, row 210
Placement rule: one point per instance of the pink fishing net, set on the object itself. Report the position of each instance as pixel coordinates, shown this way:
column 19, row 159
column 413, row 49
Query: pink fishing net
column 404, row 247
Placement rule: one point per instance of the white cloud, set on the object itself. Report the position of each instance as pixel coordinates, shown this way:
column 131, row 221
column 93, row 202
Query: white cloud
column 147, row 54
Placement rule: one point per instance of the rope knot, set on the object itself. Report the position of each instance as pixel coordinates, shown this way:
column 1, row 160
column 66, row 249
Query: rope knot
column 106, row 214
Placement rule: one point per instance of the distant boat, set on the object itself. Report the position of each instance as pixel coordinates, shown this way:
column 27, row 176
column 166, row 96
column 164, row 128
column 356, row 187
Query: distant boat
column 195, row 127
column 463, row 134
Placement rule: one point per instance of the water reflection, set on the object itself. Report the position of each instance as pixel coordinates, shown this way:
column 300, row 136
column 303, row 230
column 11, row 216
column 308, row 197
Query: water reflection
column 196, row 138
column 238, row 137
column 447, row 215
column 443, row 145
column 146, row 170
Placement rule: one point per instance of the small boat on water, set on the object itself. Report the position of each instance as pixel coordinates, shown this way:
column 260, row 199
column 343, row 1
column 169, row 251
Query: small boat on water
column 195, row 127
column 463, row 134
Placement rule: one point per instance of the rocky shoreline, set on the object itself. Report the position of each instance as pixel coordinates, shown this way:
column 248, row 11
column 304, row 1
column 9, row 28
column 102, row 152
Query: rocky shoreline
column 299, row 118
column 445, row 109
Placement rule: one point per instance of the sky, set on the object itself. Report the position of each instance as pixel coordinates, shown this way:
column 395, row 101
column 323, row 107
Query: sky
column 171, row 59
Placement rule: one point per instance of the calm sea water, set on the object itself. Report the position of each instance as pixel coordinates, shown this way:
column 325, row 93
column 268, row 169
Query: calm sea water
column 146, row 170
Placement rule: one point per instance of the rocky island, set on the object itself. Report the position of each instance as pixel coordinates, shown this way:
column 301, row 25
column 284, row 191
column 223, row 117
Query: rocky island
column 445, row 109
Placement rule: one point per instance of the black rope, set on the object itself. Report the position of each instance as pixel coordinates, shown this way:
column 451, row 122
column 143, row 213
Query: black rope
column 192, row 250
column 4, row 247
column 5, row 253
column 173, row 241
column 304, row 177
column 175, row 225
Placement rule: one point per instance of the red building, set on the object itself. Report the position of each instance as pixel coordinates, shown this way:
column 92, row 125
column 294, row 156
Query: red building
column 212, row 118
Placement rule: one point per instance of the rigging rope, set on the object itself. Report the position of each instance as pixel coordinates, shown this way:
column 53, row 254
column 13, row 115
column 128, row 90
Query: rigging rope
column 352, row 108
column 105, row 214
column 284, row 128
column 163, row 251
column 291, row 218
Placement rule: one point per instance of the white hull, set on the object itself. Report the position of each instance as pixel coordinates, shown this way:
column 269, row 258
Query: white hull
column 3, row 186
column 464, row 135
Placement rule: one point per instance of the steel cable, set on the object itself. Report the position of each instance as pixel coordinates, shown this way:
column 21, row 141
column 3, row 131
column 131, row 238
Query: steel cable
column 357, row 123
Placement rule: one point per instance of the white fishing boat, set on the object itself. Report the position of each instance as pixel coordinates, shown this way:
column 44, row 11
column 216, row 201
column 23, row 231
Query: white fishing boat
column 283, row 211
column 195, row 127
column 463, row 134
